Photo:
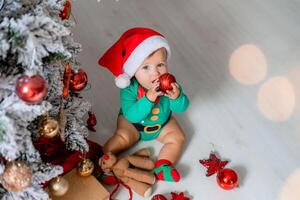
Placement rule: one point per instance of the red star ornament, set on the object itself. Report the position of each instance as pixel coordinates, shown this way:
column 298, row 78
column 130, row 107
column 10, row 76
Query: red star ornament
column 180, row 196
column 213, row 164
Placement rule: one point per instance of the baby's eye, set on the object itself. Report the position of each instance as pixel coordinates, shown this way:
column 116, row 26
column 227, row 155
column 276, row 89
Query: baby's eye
column 146, row 67
column 161, row 65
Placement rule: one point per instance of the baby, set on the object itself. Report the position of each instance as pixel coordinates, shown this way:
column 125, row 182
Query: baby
column 137, row 60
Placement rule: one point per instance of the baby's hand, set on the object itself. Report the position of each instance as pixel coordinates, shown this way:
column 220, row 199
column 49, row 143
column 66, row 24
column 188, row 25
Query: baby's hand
column 154, row 91
column 174, row 93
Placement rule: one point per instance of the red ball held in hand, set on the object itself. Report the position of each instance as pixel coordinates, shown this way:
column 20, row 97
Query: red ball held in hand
column 226, row 178
column 31, row 89
column 165, row 81
column 78, row 80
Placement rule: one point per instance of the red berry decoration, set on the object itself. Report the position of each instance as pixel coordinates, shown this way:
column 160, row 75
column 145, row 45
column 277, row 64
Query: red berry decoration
column 158, row 197
column 91, row 121
column 179, row 196
column 66, row 12
column 31, row 89
column 165, row 81
column 226, row 178
column 78, row 80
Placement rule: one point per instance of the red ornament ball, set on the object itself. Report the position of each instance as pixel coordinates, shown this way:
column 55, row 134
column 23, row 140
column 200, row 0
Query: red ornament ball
column 66, row 12
column 78, row 80
column 158, row 197
column 165, row 81
column 227, row 179
column 91, row 121
column 31, row 89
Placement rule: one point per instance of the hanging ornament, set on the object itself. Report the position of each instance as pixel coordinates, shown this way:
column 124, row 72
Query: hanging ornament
column 66, row 12
column 16, row 177
column 179, row 196
column 158, row 197
column 226, row 178
column 78, row 80
column 48, row 127
column 165, row 81
column 58, row 186
column 31, row 89
column 66, row 81
column 91, row 121
column 85, row 167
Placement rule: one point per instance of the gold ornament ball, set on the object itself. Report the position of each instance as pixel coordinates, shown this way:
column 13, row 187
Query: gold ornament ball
column 59, row 186
column 85, row 167
column 16, row 176
column 49, row 127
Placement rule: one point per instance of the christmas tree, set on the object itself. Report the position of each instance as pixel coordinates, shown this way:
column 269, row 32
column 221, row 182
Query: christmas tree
column 40, row 80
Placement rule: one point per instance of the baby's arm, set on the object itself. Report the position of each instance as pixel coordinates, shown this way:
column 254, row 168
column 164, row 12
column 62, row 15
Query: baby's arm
column 181, row 103
column 134, row 110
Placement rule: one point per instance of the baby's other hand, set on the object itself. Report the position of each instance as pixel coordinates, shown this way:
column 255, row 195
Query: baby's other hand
column 154, row 91
column 174, row 93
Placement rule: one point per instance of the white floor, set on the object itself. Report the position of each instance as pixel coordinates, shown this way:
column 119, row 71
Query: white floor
column 238, row 61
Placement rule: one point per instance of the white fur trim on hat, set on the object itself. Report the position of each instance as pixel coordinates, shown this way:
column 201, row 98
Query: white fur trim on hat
column 142, row 51
column 122, row 81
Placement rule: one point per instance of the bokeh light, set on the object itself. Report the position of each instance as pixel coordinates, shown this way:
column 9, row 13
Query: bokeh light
column 276, row 99
column 248, row 64
column 291, row 187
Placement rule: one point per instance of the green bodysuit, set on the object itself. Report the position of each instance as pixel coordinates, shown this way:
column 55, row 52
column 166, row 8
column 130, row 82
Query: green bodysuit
column 146, row 113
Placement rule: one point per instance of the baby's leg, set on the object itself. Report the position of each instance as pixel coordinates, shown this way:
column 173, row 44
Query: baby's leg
column 172, row 136
column 124, row 137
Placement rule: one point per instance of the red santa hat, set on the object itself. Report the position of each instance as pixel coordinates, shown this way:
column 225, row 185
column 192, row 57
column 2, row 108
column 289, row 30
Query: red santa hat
column 125, row 56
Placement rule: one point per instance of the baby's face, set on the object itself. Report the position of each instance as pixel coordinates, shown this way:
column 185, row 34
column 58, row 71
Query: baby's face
column 152, row 67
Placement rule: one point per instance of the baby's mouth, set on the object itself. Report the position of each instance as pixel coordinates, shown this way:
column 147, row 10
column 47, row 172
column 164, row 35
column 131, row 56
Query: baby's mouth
column 154, row 80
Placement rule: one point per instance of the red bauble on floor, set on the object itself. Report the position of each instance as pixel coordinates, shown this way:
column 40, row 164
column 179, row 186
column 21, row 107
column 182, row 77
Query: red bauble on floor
column 227, row 179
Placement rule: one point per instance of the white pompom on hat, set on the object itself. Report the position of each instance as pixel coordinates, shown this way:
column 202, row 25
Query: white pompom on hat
column 125, row 56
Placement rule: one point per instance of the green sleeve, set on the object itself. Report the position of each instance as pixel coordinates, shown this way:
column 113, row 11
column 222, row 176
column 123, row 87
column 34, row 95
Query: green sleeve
column 181, row 103
column 134, row 110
